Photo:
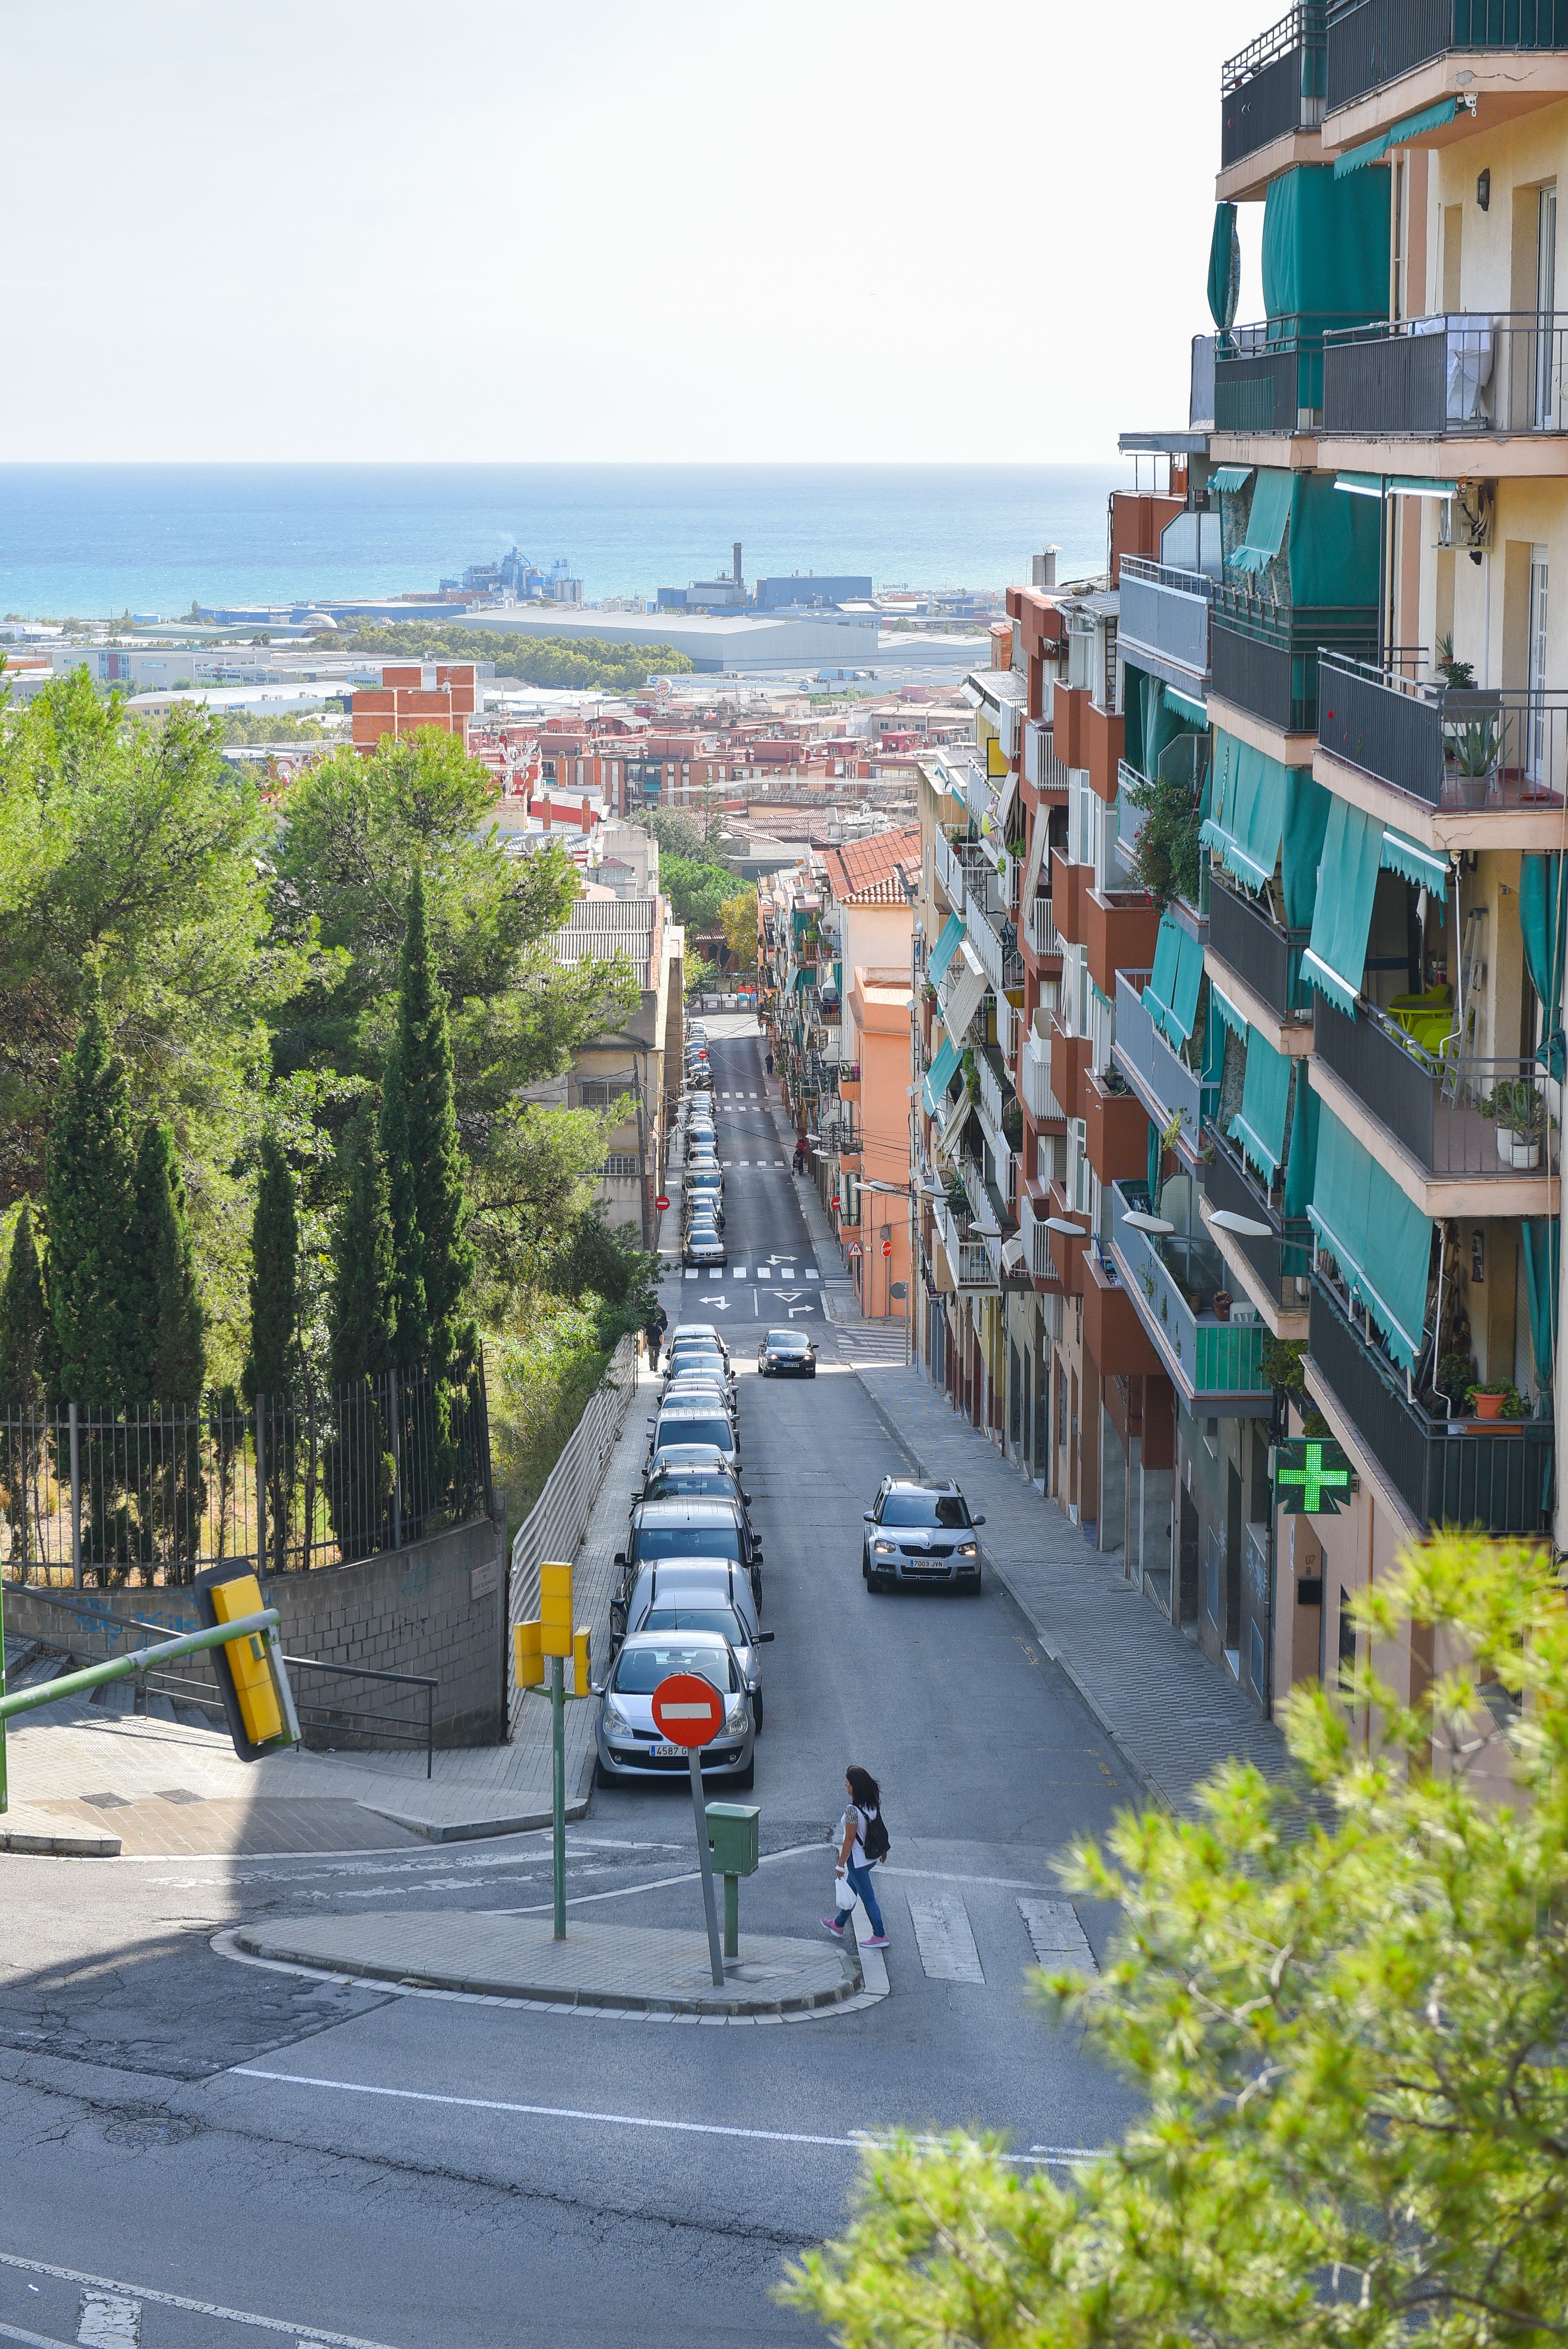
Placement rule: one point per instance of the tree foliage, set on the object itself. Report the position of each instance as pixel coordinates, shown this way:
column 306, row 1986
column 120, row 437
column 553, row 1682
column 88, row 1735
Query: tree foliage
column 433, row 1258
column 174, row 1322
column 590, row 664
column 95, row 1285
column 26, row 1330
column 737, row 917
column 1348, row 2031
column 363, row 1315
column 273, row 1362
column 696, row 892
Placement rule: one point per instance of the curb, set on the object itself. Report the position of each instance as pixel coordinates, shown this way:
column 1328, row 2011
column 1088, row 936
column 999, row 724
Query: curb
column 472, row 1830
column 59, row 1843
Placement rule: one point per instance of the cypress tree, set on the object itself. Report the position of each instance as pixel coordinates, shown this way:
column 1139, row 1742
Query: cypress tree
column 177, row 1326
column 434, row 1258
column 27, row 1330
column 272, row 1363
column 364, row 1317
column 96, row 1272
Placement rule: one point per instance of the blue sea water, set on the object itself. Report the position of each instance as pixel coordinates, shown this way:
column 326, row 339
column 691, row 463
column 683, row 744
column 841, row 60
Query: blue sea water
column 87, row 540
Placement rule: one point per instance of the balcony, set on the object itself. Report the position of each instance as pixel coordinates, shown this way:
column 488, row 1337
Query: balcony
column 1165, row 614
column 1044, row 774
column 1119, row 930
column 1173, row 1280
column 1266, row 958
column 970, row 1264
column 1113, row 1330
column 1274, row 86
column 996, row 941
column 1264, row 652
column 1068, row 884
column 1268, row 375
column 1494, row 748
column 1034, row 1072
column 996, row 1099
column 1068, row 703
column 1070, row 1058
column 1373, row 42
column 1447, row 1472
column 949, row 871
column 1116, row 1128
column 1036, row 1242
column 1282, row 1259
column 1148, row 1062
column 1458, row 1118
column 1447, row 376
column 1037, row 932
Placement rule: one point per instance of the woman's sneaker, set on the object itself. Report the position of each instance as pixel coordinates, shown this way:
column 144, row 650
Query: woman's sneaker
column 874, row 1942
column 832, row 1926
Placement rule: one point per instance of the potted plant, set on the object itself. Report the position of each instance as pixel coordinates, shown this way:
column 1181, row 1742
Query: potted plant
column 1456, row 1376
column 1521, row 1113
column 1455, row 673
column 1495, row 1400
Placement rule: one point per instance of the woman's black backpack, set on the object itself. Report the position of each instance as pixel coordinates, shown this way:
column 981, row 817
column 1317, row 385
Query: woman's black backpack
column 874, row 1841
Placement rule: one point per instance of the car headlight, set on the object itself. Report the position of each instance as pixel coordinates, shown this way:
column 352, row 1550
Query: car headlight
column 968, row 1549
column 738, row 1717
column 885, row 1548
column 616, row 1720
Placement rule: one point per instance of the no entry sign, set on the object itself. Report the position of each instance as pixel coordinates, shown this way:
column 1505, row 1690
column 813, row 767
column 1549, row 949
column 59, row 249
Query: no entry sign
column 887, row 1247
column 661, row 1203
column 687, row 1710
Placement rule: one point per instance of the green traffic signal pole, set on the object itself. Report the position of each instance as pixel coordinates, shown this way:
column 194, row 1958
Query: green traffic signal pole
column 558, row 1780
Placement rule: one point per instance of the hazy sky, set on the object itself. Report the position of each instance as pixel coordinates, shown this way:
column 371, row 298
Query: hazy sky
column 496, row 229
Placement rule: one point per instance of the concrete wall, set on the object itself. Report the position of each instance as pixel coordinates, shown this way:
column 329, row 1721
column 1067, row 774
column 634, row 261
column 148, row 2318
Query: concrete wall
column 437, row 1606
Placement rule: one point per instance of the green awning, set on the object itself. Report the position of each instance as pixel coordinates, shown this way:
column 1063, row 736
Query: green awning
column 1229, row 478
column 1416, row 485
column 1244, row 829
column 1300, row 1169
column 1379, row 1239
column 803, row 979
column 1170, row 997
column 1184, row 706
column 1161, row 987
column 1347, row 882
column 1226, row 1011
column 1431, row 118
column 1224, row 268
column 1335, row 544
column 1259, row 1125
column 946, row 946
column 1425, row 868
column 1266, row 522
column 1324, row 253
column 938, row 1077
column 1360, row 485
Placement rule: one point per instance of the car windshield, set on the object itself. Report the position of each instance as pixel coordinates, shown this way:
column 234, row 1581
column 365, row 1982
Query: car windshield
column 788, row 1340
column 686, row 1541
column 687, row 1357
column 641, row 1668
column 698, row 1484
column 699, row 1618
column 714, row 1430
column 925, row 1509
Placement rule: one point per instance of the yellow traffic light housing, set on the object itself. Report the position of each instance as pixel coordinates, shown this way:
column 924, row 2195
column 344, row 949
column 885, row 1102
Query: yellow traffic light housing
column 555, row 1609
column 527, row 1655
column 257, row 1700
column 581, row 1664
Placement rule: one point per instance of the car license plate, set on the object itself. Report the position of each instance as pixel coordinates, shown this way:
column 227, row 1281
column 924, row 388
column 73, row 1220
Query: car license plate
column 669, row 1753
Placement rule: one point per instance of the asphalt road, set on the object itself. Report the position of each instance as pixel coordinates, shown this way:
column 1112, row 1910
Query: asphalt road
column 299, row 2159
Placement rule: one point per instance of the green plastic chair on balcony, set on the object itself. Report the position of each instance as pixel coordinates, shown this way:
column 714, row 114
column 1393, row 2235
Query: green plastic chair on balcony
column 1428, row 1020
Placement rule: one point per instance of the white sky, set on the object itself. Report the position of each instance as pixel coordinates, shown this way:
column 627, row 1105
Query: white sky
column 515, row 229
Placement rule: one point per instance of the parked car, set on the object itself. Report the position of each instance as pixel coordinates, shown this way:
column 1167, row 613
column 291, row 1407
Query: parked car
column 678, row 1425
column 700, row 1330
column 714, row 1528
column 917, row 1532
column 683, row 1479
column 677, row 1458
column 699, row 1354
column 705, row 1250
column 627, row 1739
column 787, row 1354
column 683, row 1596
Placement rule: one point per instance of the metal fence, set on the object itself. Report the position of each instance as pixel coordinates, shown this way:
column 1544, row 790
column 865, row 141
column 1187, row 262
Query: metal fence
column 1371, row 42
column 1453, row 747
column 1448, row 374
column 558, row 1520
column 1273, row 86
column 159, row 1492
column 1267, row 958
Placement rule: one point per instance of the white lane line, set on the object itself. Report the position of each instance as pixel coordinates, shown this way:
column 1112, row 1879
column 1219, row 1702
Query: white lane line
column 945, row 1937
column 109, row 2320
column 855, row 2142
column 29, row 2339
column 1057, row 1937
column 305, row 2334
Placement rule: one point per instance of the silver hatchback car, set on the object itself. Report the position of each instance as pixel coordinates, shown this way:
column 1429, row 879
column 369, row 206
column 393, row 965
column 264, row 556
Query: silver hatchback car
column 629, row 1745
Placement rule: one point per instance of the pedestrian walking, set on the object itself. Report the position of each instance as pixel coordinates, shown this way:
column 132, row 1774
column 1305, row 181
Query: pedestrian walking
column 769, row 1063
column 653, row 1336
column 862, row 1840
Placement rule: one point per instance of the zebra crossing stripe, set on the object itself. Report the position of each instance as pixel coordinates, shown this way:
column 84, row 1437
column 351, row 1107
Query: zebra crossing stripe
column 945, row 1937
column 1057, row 1937
column 813, row 1276
column 109, row 2320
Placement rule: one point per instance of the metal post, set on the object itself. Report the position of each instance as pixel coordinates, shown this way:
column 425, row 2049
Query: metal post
column 397, row 1462
column 76, row 1500
column 558, row 1771
column 705, row 1856
column 3, row 1794
column 732, row 1915
column 429, row 1731
column 260, row 1407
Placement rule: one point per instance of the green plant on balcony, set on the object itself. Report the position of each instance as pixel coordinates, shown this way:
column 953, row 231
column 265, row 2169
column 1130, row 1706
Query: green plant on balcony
column 1510, row 1404
column 1474, row 746
column 1458, row 674
column 1281, row 1364
column 1456, row 1377
column 1166, row 859
column 1518, row 1108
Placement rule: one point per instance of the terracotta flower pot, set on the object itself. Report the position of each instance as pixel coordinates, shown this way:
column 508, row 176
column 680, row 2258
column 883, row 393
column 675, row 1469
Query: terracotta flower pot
column 1489, row 1406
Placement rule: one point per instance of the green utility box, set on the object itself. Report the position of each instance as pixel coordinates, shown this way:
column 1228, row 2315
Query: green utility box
column 732, row 1838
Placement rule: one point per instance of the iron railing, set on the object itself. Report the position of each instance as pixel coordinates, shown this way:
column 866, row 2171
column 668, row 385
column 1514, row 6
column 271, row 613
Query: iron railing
column 1264, row 653
column 161, row 1492
column 1040, row 925
column 1268, row 374
column 1167, row 610
column 1035, row 1074
column 1200, row 383
column 1265, row 958
column 1274, row 85
column 1285, row 1255
column 1371, row 42
column 1158, row 1074
column 1043, row 770
column 1173, row 1280
column 1448, row 1472
column 1456, row 1113
column 1447, row 375
column 1472, row 746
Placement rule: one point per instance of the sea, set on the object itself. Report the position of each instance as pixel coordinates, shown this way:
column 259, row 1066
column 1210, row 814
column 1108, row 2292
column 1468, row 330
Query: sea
column 90, row 540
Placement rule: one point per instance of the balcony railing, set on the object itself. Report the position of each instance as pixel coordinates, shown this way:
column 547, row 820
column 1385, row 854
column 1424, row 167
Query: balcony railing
column 1493, row 747
column 994, row 940
column 949, row 871
column 1264, row 653
column 1285, row 1257
column 971, row 1264
column 1036, row 1241
column 1273, row 86
column 1447, row 376
column 1448, row 1472
column 1201, row 388
column 1149, row 1064
column 1040, row 927
column 1043, row 770
column 1371, row 42
column 991, row 1096
column 1167, row 610
column 1035, row 1070
column 1456, row 1115
column 1265, row 958
column 1173, row 1281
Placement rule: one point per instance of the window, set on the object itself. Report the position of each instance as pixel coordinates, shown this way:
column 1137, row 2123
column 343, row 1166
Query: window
column 602, row 1093
column 621, row 1167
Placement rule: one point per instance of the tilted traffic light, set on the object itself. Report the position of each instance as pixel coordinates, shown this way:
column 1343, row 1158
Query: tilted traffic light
column 257, row 1701
column 527, row 1655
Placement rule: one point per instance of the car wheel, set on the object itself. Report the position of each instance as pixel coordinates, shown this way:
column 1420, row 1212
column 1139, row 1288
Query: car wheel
column 974, row 1587
column 876, row 1584
column 746, row 1779
column 865, row 1567
column 757, row 1710
column 813, row 1372
column 602, row 1777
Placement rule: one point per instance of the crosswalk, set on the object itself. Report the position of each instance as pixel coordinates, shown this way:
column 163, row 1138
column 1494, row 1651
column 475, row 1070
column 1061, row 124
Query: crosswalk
column 949, row 1951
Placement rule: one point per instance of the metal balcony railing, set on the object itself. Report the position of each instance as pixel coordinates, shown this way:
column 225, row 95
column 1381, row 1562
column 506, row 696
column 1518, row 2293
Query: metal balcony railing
column 1035, row 1070
column 1448, row 1472
column 1036, row 1242
column 1268, row 375
column 1266, row 958
column 1167, row 611
column 1043, row 770
column 996, row 941
column 1448, row 376
column 968, row 1258
column 1040, row 927
column 1173, row 1281
column 1274, row 86
column 1159, row 1074
column 1373, row 42
column 1455, row 1115
column 1283, row 1259
column 1474, row 746
column 1264, row 653
column 949, row 871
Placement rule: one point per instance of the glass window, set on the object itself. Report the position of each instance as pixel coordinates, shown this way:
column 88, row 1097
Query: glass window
column 698, row 1619
column 678, row 1483
column 925, row 1509
column 686, row 1541
column 716, row 1430
column 641, row 1668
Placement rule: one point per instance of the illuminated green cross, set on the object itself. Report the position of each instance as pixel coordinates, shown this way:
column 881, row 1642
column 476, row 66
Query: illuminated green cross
column 1318, row 1480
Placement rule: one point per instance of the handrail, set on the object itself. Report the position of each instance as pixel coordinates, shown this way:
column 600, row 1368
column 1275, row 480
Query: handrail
column 1167, row 574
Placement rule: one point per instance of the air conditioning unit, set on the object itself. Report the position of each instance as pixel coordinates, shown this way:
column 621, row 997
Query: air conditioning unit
column 1465, row 522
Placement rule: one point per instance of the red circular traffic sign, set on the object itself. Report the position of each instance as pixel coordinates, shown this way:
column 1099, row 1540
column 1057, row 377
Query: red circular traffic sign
column 887, row 1247
column 661, row 1203
column 687, row 1710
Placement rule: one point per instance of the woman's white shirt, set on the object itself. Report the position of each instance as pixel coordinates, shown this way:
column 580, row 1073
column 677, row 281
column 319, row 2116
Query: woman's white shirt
column 860, row 1819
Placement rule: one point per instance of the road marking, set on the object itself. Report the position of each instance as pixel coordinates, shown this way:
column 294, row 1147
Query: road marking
column 692, row 1276
column 764, row 1272
column 1059, row 1938
column 813, row 1275
column 306, row 2334
column 107, row 2320
column 945, row 1937
column 738, row 1272
column 855, row 2142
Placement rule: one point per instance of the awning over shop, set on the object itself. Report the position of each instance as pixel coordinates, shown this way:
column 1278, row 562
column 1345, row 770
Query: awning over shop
column 1259, row 1125
column 1430, row 118
column 1170, row 997
column 1379, row 1239
column 1424, row 868
column 938, row 1077
column 946, row 946
column 1266, row 522
column 1351, row 859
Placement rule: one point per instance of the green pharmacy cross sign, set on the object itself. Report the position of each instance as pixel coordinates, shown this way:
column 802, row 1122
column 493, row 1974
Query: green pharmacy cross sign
column 1311, row 1475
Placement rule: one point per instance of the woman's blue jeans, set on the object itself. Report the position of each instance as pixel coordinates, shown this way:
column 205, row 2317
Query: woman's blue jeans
column 861, row 1878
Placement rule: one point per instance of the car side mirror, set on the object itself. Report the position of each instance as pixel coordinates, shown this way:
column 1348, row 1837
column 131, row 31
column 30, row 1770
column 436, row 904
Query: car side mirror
column 869, row 1516
column 620, row 1557
column 977, row 1521
column 761, row 1638
column 747, row 1498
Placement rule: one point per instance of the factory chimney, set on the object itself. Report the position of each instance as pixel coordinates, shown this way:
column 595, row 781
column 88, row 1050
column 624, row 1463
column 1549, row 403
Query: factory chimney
column 739, row 580
column 1045, row 568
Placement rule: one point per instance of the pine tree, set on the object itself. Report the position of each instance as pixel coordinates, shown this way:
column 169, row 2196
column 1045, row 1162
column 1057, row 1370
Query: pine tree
column 27, row 1331
column 176, row 1338
column 272, row 1363
column 364, row 1317
column 97, row 1278
column 434, row 1258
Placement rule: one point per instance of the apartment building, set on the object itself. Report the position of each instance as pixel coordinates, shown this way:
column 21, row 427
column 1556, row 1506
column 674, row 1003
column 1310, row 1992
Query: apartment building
column 1272, row 1281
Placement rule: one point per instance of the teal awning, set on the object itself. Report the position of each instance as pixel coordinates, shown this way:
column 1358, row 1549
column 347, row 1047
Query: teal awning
column 1324, row 250
column 946, row 946
column 1425, row 868
column 938, row 1077
column 1347, row 882
column 803, row 979
column 1360, row 485
column 1379, row 1239
column 1394, row 485
column 1259, row 1125
column 1170, row 997
column 1248, row 820
column 1266, row 522
column 1224, row 268
column 1431, row 118
column 1225, row 1012
column 1185, row 706
column 1543, row 922
column 1229, row 478
column 1161, row 985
